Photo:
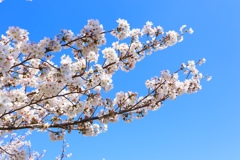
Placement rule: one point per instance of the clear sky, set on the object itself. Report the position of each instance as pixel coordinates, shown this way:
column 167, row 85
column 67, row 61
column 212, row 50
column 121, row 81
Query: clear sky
column 202, row 126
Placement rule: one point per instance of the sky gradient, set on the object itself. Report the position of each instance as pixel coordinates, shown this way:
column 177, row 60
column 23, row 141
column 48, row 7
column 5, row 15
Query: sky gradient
column 202, row 126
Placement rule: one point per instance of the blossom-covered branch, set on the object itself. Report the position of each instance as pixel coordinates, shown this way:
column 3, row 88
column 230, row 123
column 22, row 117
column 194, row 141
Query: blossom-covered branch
column 38, row 94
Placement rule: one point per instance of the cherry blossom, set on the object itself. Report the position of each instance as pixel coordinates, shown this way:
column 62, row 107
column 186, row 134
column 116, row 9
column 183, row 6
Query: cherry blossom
column 37, row 94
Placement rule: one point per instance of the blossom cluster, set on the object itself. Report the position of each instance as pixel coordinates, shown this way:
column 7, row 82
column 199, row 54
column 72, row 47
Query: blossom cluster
column 58, row 98
column 17, row 148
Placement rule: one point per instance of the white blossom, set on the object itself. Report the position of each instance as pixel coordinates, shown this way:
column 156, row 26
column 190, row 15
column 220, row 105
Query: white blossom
column 70, row 95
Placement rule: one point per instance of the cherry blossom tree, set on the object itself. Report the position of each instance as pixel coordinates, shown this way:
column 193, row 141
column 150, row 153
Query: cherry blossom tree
column 37, row 94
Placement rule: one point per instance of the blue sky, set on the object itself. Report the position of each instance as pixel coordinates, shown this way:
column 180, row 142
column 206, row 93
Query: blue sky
column 202, row 126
